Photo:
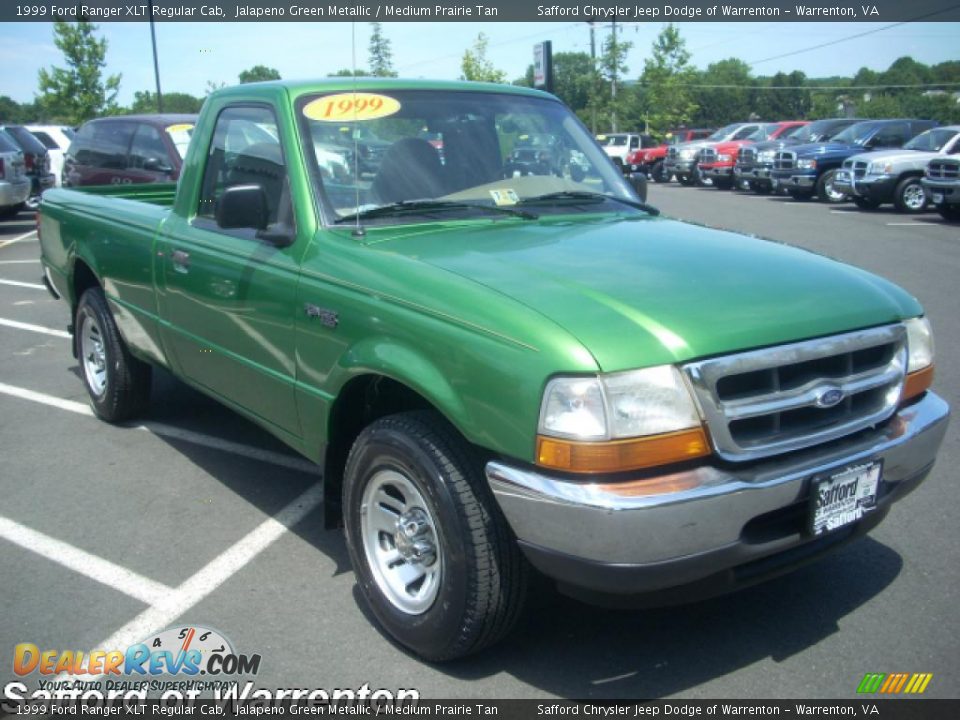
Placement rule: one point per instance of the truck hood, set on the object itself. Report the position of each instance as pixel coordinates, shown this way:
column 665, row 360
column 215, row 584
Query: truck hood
column 647, row 291
column 817, row 150
column 900, row 159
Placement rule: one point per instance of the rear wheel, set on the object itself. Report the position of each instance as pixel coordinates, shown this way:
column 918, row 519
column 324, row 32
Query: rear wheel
column 909, row 196
column 826, row 190
column 434, row 557
column 118, row 384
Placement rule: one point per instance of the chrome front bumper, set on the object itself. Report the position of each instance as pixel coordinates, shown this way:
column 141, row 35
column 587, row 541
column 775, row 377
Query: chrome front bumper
column 14, row 192
column 733, row 514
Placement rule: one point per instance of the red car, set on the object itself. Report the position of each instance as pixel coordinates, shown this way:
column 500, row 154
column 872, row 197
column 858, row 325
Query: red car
column 717, row 161
column 650, row 160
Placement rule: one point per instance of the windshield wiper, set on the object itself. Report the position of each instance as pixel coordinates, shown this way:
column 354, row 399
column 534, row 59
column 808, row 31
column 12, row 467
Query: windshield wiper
column 590, row 197
column 417, row 206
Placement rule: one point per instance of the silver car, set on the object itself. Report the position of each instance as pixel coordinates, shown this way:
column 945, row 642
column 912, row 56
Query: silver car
column 14, row 183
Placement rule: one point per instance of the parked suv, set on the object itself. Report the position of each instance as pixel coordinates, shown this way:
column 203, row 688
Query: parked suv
column 56, row 139
column 682, row 159
column 893, row 176
column 808, row 170
column 941, row 180
column 651, row 160
column 755, row 161
column 717, row 161
column 36, row 161
column 128, row 149
column 14, row 184
column 619, row 145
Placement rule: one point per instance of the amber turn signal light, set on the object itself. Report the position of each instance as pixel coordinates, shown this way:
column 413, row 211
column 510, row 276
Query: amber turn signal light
column 620, row 455
column 916, row 383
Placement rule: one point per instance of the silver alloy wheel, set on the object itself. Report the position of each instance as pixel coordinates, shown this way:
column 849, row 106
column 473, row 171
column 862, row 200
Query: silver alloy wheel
column 401, row 542
column 93, row 355
column 914, row 197
column 832, row 194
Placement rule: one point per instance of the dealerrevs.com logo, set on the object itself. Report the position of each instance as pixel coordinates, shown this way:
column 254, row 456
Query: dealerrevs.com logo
column 184, row 651
column 895, row 683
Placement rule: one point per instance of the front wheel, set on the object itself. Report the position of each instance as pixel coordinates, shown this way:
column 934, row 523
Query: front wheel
column 657, row 174
column 434, row 558
column 118, row 384
column 909, row 196
column 826, row 190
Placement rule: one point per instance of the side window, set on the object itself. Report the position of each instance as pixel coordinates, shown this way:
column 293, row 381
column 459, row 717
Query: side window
column 111, row 141
column 246, row 151
column 79, row 148
column 48, row 142
column 634, row 142
column 148, row 151
column 744, row 132
column 892, row 135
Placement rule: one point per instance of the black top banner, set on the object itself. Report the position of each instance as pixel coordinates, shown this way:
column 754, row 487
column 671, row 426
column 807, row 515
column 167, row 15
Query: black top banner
column 488, row 11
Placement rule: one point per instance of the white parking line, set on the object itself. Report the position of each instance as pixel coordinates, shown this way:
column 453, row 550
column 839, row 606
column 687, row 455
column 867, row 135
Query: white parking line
column 19, row 262
column 19, row 238
column 213, row 575
column 175, row 433
column 17, row 283
column 914, row 224
column 34, row 328
column 103, row 571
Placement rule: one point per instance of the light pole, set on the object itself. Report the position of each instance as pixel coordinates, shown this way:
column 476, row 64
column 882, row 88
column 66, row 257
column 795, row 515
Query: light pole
column 156, row 62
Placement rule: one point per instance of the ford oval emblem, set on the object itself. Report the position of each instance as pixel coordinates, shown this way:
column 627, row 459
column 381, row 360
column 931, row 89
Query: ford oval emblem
column 828, row 397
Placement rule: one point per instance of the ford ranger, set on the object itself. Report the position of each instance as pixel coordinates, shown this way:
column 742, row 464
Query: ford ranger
column 811, row 169
column 498, row 369
column 894, row 176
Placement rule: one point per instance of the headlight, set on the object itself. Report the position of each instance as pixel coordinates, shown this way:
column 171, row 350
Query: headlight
column 724, row 157
column 879, row 168
column 622, row 421
column 765, row 156
column 919, row 358
column 919, row 344
column 807, row 164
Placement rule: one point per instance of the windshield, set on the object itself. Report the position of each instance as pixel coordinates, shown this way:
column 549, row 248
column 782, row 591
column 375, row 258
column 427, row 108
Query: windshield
column 7, row 143
column 854, row 134
column 724, row 132
column 454, row 154
column 763, row 132
column 612, row 140
column 931, row 140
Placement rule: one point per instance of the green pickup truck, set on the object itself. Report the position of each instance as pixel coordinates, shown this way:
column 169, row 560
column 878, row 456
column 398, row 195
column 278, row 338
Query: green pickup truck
column 503, row 369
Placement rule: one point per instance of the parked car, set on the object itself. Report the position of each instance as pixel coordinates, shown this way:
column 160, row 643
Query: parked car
column 651, row 160
column 539, row 154
column 808, row 170
column 717, row 160
column 14, row 183
column 754, row 162
column 36, row 162
column 941, row 181
column 56, row 138
column 525, row 371
column 682, row 159
column 128, row 149
column 894, row 176
column 619, row 145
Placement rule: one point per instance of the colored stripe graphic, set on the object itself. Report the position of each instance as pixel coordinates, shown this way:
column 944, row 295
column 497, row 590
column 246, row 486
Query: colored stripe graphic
column 894, row 683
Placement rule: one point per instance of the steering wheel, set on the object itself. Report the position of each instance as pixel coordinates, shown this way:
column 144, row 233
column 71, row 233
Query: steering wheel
column 510, row 168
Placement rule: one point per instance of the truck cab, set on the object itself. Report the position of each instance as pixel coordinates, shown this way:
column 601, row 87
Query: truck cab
column 810, row 170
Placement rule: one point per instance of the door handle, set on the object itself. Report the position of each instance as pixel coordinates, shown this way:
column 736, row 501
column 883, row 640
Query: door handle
column 181, row 261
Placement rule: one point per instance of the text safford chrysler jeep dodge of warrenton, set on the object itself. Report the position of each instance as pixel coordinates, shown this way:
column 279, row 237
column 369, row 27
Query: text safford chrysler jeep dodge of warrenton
column 499, row 366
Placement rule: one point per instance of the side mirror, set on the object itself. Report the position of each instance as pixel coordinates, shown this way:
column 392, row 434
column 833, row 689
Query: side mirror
column 638, row 181
column 242, row 206
column 155, row 164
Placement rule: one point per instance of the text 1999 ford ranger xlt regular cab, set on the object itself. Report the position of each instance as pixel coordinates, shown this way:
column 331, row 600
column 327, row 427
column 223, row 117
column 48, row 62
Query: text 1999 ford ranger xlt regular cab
column 497, row 368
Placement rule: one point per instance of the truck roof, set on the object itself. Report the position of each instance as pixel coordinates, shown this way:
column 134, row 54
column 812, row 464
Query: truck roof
column 363, row 84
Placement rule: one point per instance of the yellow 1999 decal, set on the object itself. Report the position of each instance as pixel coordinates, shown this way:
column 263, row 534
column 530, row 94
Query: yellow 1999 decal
column 344, row 107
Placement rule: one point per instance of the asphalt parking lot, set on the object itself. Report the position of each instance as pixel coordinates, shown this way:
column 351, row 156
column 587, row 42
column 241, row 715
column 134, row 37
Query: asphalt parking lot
column 195, row 517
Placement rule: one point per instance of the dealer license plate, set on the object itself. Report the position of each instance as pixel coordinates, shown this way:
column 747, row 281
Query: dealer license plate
column 844, row 497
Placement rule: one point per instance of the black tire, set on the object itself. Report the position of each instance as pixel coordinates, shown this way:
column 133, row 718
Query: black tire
column 949, row 212
column 483, row 576
column 656, row 172
column 12, row 210
column 801, row 195
column 909, row 197
column 866, row 203
column 124, row 390
column 825, row 191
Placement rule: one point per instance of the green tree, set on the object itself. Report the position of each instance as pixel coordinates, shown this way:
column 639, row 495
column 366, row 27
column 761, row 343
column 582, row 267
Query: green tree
column 609, row 98
column 381, row 57
column 259, row 73
column 781, row 101
column 476, row 66
column 665, row 83
column 731, row 97
column 10, row 111
column 347, row 72
column 173, row 102
column 78, row 92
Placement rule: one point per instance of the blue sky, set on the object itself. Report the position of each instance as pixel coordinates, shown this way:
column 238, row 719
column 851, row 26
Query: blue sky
column 191, row 54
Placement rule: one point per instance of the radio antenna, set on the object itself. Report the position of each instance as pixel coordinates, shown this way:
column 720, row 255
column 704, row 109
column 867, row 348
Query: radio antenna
column 358, row 231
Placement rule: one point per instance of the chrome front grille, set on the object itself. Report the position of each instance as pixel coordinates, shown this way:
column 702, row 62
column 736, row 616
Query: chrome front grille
column 746, row 156
column 788, row 397
column 673, row 153
column 707, row 156
column 785, row 160
column 943, row 169
column 859, row 169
